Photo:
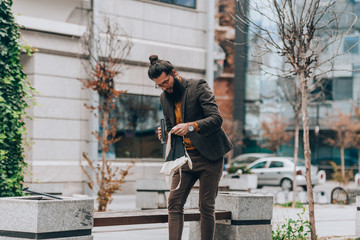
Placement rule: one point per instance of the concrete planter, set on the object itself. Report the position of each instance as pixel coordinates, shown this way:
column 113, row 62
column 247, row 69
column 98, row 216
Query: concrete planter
column 45, row 218
column 241, row 182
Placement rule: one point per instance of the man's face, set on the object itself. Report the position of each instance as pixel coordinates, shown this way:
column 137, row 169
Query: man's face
column 165, row 82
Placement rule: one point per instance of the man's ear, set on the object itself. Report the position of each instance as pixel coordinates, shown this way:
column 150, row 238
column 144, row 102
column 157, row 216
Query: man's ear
column 174, row 73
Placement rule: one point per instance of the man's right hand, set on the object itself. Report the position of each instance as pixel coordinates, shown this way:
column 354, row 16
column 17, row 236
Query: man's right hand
column 159, row 134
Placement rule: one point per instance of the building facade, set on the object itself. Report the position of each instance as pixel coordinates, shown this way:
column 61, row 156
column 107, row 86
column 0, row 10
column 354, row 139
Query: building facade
column 175, row 30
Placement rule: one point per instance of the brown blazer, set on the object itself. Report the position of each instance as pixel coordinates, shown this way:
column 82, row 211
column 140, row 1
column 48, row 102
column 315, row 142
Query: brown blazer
column 198, row 104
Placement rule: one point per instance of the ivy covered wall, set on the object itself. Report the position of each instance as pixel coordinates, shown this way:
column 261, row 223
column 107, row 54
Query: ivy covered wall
column 14, row 90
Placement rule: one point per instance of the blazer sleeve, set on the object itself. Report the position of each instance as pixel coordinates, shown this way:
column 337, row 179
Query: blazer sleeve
column 213, row 120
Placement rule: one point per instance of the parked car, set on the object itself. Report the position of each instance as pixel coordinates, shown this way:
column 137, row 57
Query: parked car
column 278, row 171
column 247, row 158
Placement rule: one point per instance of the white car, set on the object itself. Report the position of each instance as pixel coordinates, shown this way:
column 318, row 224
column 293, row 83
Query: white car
column 278, row 171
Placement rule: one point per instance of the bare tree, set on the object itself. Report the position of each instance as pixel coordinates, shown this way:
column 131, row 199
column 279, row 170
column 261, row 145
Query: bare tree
column 295, row 30
column 106, row 62
column 344, row 127
column 274, row 133
column 290, row 89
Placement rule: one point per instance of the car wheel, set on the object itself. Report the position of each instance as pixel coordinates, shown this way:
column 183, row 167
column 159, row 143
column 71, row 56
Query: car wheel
column 286, row 184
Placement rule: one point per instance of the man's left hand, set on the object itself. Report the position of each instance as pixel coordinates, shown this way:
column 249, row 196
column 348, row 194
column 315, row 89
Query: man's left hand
column 181, row 129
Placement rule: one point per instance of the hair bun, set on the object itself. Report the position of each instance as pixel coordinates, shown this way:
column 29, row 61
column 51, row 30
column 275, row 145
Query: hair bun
column 153, row 59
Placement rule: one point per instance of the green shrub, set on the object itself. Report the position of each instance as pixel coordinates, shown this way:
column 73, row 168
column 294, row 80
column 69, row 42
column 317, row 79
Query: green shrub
column 293, row 229
column 298, row 204
column 244, row 170
column 14, row 91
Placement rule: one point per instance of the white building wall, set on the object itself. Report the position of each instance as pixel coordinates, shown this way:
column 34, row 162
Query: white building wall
column 59, row 128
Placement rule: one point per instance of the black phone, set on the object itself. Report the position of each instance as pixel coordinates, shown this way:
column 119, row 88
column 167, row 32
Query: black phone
column 162, row 125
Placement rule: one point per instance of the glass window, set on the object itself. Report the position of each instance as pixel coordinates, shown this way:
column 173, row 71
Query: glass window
column 343, row 88
column 137, row 118
column 185, row 3
column 351, row 44
column 259, row 165
column 276, row 164
column 323, row 90
column 335, row 89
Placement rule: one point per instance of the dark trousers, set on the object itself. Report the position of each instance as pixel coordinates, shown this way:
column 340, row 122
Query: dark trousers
column 209, row 174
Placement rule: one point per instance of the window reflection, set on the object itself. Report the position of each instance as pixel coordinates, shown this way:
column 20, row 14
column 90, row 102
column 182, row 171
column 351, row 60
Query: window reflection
column 185, row 3
column 137, row 118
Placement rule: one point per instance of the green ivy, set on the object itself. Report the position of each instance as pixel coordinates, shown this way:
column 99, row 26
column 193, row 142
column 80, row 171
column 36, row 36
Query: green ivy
column 15, row 89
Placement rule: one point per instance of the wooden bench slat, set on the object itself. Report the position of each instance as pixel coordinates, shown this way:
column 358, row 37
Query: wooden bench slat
column 148, row 216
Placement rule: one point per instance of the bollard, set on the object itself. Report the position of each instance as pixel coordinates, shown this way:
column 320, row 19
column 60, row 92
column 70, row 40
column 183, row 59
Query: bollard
column 250, row 220
column 34, row 217
column 321, row 176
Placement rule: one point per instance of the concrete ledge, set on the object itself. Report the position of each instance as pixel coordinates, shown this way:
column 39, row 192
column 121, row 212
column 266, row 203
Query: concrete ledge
column 33, row 217
column 246, row 206
column 151, row 193
column 251, row 216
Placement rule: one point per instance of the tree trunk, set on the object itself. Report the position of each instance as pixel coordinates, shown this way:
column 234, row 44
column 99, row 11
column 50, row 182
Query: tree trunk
column 307, row 152
column 103, row 200
column 296, row 151
column 342, row 164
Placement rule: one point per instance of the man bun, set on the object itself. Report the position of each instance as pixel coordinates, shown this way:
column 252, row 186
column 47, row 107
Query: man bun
column 158, row 66
column 153, row 59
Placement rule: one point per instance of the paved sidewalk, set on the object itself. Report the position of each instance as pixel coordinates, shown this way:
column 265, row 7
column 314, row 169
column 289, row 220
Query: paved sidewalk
column 331, row 220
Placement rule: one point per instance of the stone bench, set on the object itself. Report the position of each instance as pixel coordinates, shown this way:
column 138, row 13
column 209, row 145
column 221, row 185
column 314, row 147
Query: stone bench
column 102, row 219
column 242, row 216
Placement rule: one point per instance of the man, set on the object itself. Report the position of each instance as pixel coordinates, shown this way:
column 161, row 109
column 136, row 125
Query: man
column 190, row 105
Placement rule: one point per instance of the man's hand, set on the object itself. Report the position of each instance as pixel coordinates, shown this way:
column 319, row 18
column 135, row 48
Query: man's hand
column 181, row 129
column 159, row 134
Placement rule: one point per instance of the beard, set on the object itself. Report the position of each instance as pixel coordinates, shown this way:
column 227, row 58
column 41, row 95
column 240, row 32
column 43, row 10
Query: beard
column 178, row 91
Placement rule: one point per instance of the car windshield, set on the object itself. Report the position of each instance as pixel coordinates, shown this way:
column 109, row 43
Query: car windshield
column 259, row 165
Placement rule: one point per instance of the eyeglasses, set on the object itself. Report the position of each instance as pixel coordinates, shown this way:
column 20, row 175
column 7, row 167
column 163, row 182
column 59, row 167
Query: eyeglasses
column 163, row 84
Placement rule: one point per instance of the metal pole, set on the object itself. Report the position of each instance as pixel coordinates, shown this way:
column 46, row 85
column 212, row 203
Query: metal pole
column 38, row 193
column 210, row 44
column 94, row 97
